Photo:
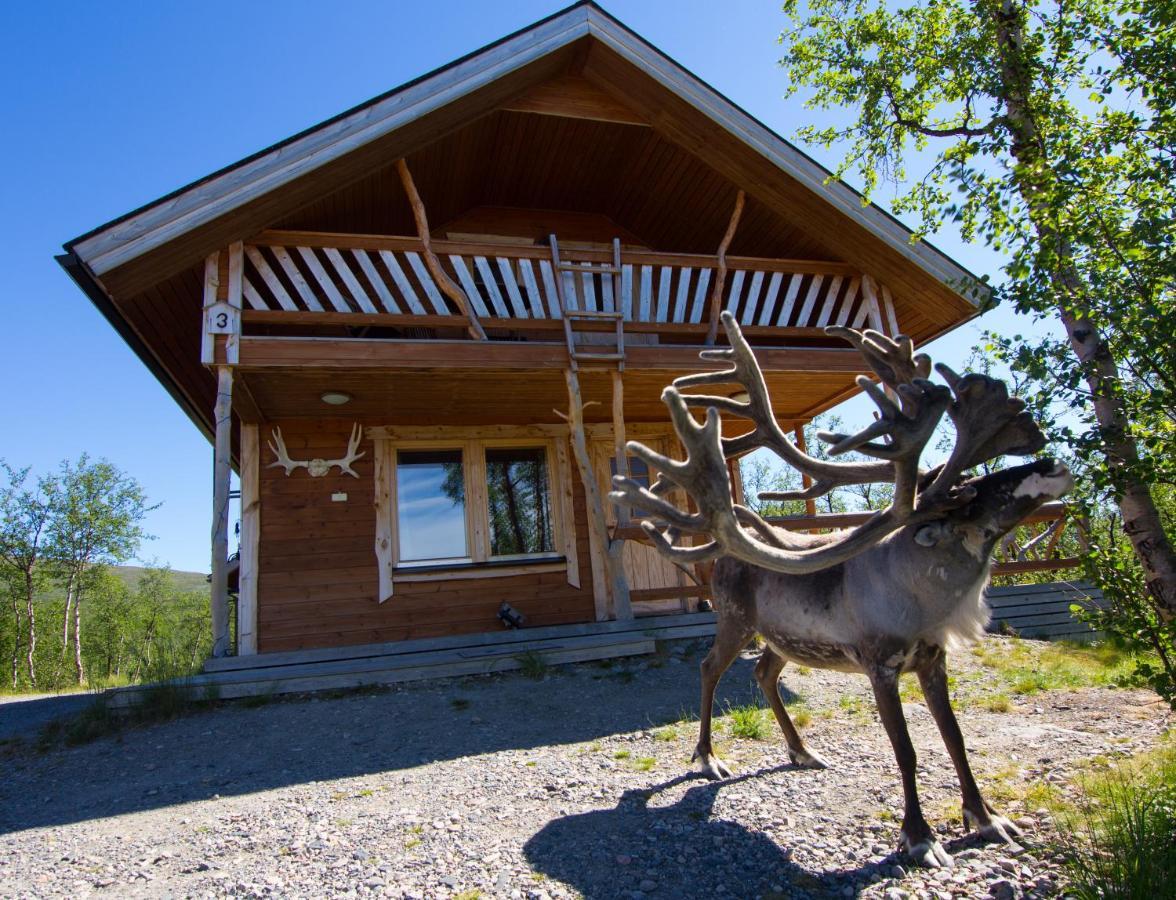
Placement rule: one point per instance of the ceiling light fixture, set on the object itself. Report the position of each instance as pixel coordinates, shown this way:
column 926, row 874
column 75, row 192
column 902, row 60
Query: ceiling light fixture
column 335, row 398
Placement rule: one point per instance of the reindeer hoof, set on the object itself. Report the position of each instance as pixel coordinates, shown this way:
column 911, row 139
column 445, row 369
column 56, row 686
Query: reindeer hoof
column 995, row 828
column 807, row 760
column 713, row 768
column 928, row 853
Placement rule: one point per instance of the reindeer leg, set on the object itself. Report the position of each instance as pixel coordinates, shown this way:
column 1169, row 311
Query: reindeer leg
column 977, row 813
column 767, row 673
column 729, row 640
column 916, row 838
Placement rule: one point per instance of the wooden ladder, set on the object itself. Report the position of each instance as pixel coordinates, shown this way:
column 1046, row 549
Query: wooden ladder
column 571, row 316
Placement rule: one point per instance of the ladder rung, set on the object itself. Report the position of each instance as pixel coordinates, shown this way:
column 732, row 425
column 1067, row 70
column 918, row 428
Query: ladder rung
column 603, row 357
column 589, row 314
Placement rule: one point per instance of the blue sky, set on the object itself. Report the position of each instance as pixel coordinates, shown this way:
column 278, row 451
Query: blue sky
column 110, row 106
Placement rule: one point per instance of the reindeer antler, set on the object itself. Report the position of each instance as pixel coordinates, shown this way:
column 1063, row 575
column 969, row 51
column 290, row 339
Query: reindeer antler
column 283, row 456
column 317, row 467
column 896, row 439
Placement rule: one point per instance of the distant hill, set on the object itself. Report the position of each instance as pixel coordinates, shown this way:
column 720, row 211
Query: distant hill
column 185, row 581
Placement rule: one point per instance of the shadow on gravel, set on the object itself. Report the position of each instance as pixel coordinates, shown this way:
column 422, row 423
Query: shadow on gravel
column 240, row 748
column 681, row 849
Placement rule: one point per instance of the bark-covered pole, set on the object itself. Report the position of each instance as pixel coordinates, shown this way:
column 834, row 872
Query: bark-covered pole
column 223, row 414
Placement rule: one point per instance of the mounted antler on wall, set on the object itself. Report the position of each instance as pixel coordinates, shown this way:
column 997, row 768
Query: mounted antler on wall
column 317, row 467
column 894, row 593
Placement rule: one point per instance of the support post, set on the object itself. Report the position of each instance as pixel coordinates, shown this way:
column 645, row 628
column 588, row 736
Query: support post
column 810, row 505
column 622, row 457
column 222, row 469
column 716, row 299
column 612, row 578
column 250, row 536
column 447, row 285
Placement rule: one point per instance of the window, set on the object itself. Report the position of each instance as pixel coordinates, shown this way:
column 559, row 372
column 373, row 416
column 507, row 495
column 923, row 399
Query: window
column 431, row 507
column 638, row 470
column 519, row 501
column 482, row 501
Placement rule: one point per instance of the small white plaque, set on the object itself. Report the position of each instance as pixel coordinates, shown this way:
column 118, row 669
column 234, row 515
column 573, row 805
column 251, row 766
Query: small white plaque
column 221, row 318
column 339, row 497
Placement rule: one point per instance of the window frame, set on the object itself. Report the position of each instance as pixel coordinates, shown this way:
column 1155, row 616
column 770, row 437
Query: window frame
column 477, row 504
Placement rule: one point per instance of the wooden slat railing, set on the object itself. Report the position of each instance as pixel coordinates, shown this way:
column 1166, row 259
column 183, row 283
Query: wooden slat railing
column 319, row 278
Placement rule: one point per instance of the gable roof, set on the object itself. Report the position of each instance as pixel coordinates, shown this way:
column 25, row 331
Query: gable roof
column 131, row 252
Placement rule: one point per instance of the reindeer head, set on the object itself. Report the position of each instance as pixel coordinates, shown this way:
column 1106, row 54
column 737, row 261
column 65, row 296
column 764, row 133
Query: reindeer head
column 999, row 501
column 988, row 424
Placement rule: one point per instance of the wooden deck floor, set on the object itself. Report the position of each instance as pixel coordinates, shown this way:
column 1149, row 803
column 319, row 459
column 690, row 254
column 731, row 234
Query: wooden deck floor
column 471, row 654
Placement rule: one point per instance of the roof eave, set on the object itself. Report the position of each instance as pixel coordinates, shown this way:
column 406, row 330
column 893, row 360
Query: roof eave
column 92, row 288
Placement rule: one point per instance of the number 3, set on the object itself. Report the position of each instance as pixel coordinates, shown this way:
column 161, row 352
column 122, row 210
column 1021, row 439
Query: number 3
column 222, row 320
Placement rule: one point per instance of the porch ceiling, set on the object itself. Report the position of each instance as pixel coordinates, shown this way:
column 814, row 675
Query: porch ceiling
column 491, row 397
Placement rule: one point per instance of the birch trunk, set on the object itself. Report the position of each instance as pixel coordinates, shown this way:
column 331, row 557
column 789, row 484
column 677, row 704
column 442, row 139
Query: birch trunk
column 77, row 636
column 1141, row 519
column 31, row 615
column 69, row 596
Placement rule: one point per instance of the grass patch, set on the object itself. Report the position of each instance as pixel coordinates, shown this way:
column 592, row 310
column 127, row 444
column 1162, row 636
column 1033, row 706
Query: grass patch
column 1027, row 667
column 665, row 735
column 997, row 703
column 801, row 716
column 748, row 722
column 621, row 754
column 532, row 664
column 644, row 763
column 471, row 894
column 1122, row 832
column 459, row 703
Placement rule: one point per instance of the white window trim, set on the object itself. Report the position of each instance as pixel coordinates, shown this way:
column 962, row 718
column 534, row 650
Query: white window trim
column 479, row 563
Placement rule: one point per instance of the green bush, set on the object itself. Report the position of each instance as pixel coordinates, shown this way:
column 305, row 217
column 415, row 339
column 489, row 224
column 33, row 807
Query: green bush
column 1121, row 842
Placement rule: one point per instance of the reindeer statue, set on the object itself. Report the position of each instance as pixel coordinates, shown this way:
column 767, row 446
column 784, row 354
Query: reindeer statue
column 890, row 596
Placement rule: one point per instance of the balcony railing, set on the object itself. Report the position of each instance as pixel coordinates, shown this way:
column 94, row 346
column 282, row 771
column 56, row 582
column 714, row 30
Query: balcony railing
column 364, row 279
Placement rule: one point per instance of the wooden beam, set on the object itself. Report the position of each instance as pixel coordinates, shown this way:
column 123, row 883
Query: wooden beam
column 444, row 282
column 573, row 97
column 262, row 352
column 622, row 457
column 250, row 452
column 385, row 526
column 716, row 299
column 810, row 505
column 223, row 417
column 566, row 499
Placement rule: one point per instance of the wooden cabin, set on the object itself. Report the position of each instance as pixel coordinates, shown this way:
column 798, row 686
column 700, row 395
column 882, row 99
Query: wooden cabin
column 479, row 283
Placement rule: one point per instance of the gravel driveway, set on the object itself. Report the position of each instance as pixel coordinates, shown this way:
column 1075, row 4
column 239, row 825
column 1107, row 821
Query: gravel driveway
column 504, row 786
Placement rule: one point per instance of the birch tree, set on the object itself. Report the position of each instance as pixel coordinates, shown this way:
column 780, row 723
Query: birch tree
column 25, row 514
column 1045, row 130
column 97, row 520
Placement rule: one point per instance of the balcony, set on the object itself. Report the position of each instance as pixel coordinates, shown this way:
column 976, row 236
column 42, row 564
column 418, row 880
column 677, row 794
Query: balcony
column 373, row 286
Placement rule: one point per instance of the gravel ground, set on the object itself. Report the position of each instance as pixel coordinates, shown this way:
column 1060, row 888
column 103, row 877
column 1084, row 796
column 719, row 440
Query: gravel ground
column 574, row 785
